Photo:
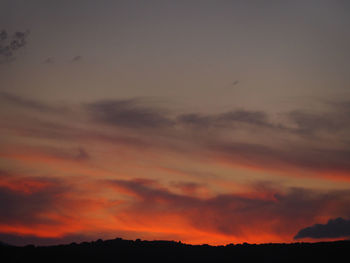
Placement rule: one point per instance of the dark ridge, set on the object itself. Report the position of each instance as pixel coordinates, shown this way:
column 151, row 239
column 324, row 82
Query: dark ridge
column 3, row 244
column 120, row 250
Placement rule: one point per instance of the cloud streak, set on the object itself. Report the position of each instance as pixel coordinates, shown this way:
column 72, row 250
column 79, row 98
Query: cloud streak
column 25, row 103
column 238, row 137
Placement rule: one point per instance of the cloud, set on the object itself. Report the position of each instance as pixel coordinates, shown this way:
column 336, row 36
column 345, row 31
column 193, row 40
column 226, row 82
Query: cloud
column 251, row 117
column 30, row 104
column 134, row 113
column 82, row 154
column 310, row 123
column 77, row 58
column 46, row 207
column 264, row 210
column 290, row 156
column 49, row 60
column 334, row 120
column 334, row 228
column 128, row 113
column 9, row 45
column 257, row 118
column 25, row 200
column 238, row 137
column 60, row 153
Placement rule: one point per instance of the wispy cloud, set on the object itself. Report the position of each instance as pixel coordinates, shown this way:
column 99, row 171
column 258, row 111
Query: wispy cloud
column 238, row 137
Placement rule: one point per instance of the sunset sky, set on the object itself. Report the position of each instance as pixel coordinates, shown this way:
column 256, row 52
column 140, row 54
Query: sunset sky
column 201, row 121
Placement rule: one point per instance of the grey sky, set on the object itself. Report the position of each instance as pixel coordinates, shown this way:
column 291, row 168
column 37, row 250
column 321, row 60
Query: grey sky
column 189, row 51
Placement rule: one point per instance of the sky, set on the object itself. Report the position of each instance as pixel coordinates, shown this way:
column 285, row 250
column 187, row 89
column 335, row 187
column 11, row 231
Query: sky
column 196, row 121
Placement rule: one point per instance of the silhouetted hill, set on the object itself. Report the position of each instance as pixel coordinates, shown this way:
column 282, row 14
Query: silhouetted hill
column 2, row 244
column 119, row 250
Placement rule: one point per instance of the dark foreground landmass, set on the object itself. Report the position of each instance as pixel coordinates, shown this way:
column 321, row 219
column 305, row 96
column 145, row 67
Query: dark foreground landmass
column 119, row 250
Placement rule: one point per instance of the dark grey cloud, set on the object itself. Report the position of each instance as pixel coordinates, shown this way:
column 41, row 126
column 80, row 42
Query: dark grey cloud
column 196, row 120
column 334, row 120
column 133, row 113
column 17, row 206
column 334, row 228
column 252, row 117
column 40, row 127
column 128, row 113
column 26, row 199
column 309, row 123
column 237, row 117
column 10, row 44
column 297, row 146
column 77, row 58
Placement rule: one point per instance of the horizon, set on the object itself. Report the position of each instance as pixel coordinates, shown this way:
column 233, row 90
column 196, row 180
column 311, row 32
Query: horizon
column 206, row 122
column 311, row 241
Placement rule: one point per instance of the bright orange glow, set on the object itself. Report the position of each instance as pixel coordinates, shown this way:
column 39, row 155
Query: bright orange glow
column 125, row 192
